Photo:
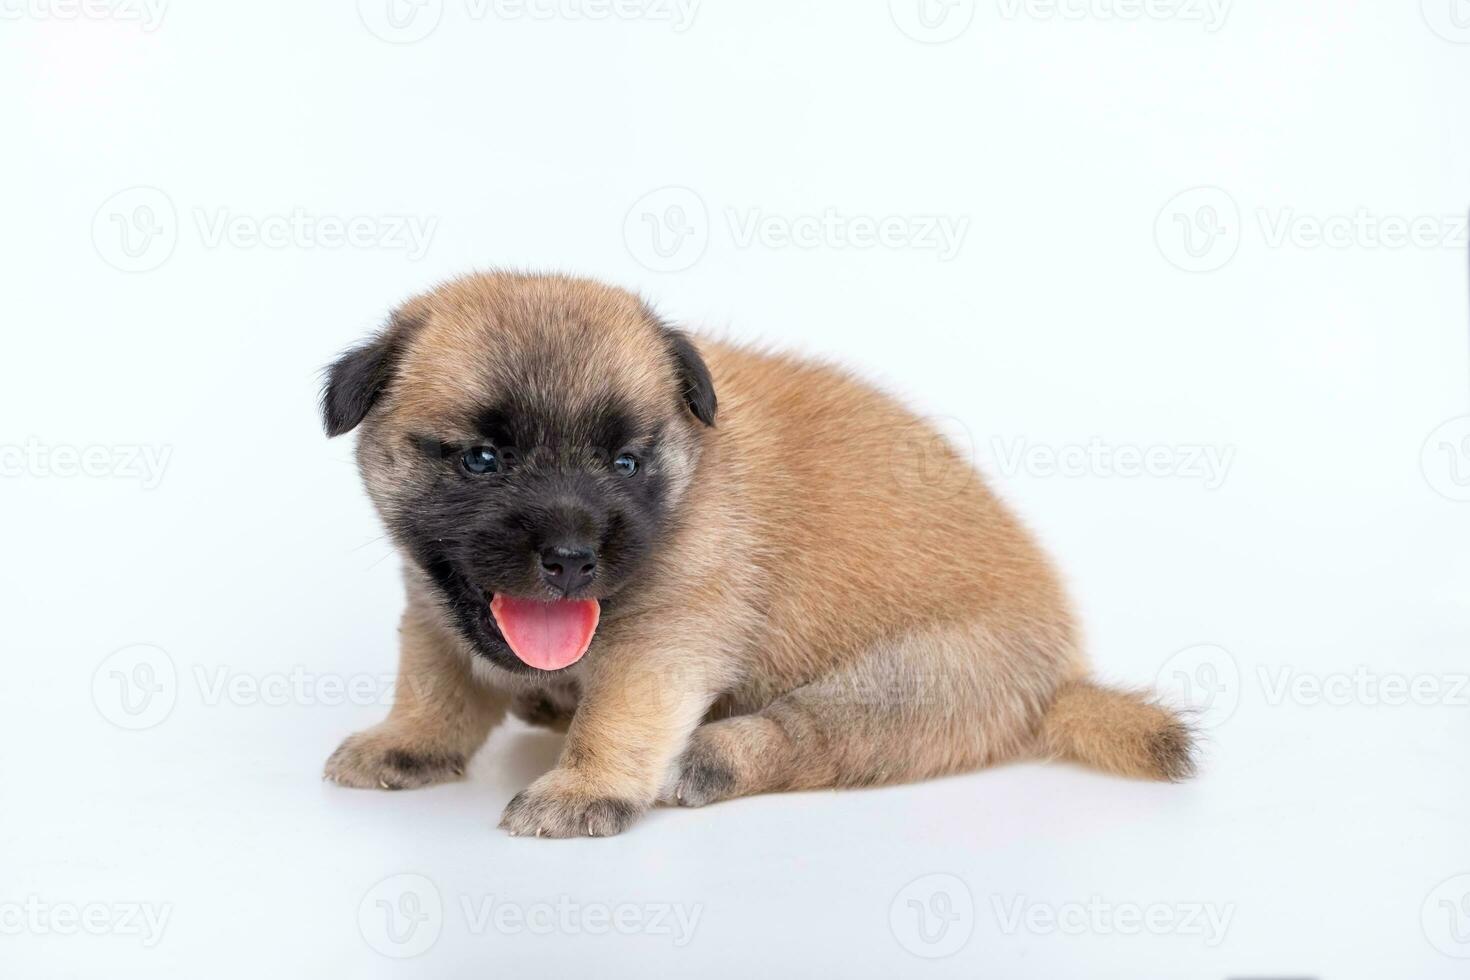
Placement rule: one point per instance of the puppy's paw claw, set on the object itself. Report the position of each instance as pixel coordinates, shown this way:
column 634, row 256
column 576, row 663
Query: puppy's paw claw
column 705, row 774
column 374, row 760
column 701, row 783
column 557, row 806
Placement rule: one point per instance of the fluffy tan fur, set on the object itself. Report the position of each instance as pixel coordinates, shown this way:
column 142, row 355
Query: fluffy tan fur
column 841, row 601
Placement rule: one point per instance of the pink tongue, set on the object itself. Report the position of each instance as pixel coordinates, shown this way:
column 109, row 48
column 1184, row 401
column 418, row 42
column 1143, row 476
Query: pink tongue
column 546, row 635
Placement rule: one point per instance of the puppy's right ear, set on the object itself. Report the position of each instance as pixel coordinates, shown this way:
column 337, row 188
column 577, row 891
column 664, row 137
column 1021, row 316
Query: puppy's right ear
column 694, row 378
column 355, row 381
column 359, row 377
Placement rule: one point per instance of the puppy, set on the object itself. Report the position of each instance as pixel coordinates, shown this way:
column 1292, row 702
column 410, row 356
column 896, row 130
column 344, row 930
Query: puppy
column 728, row 571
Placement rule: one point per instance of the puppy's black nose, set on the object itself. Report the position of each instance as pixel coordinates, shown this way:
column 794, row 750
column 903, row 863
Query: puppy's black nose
column 567, row 569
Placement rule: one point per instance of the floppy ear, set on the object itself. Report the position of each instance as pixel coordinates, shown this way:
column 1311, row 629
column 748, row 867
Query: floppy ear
column 355, row 381
column 698, row 387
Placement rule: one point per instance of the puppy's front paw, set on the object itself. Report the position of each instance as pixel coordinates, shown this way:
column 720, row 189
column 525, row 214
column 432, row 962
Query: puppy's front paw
column 382, row 759
column 562, row 804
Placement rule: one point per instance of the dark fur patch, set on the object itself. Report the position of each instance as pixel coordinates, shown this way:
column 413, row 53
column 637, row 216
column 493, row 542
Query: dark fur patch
column 477, row 536
column 698, row 388
column 702, row 781
column 612, row 429
column 494, row 423
column 358, row 378
column 598, row 433
column 609, row 816
column 1171, row 749
column 414, row 763
column 354, row 383
column 541, row 711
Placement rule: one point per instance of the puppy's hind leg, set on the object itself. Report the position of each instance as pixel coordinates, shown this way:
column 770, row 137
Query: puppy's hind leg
column 940, row 700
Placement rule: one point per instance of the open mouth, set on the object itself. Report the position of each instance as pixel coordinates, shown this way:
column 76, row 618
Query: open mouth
column 546, row 635
column 540, row 634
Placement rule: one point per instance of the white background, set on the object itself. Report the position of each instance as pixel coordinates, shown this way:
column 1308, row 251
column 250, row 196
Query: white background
column 1295, row 595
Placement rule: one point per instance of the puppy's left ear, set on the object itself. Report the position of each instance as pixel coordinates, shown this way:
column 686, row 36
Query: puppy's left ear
column 698, row 387
column 354, row 382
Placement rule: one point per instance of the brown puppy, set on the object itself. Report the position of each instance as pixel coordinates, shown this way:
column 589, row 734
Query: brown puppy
column 745, row 547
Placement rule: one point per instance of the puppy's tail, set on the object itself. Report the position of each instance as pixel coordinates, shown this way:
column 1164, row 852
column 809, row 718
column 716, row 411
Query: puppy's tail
column 1121, row 732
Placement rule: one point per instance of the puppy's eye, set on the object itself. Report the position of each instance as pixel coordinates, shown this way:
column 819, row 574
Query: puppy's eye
column 479, row 460
column 625, row 465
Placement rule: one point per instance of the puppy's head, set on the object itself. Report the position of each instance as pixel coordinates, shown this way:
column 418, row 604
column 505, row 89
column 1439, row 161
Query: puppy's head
column 526, row 440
